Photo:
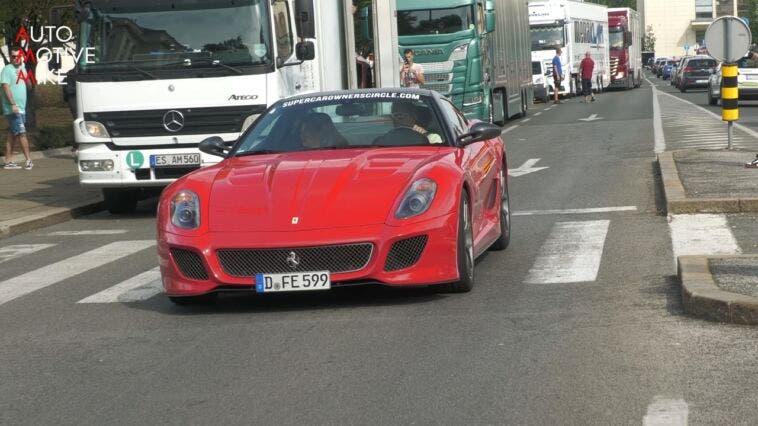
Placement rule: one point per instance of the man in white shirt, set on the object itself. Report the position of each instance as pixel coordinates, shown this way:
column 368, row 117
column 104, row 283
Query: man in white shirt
column 411, row 75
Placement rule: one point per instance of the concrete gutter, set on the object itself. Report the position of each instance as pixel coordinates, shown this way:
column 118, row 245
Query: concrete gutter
column 701, row 297
column 677, row 201
column 51, row 216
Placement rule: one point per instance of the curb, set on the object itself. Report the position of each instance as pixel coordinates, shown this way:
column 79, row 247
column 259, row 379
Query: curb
column 702, row 298
column 55, row 152
column 678, row 203
column 53, row 216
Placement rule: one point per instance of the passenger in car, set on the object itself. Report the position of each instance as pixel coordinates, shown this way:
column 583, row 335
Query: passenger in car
column 318, row 131
column 404, row 115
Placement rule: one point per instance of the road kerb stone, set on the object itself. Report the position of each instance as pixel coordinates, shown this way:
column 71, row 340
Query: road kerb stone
column 53, row 216
column 677, row 201
column 702, row 298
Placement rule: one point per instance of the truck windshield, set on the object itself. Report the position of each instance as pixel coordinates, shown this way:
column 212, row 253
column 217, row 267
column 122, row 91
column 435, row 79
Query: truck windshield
column 151, row 35
column 434, row 21
column 616, row 38
column 547, row 37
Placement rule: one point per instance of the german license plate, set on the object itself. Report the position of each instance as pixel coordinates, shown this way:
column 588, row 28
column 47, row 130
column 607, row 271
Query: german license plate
column 301, row 281
column 174, row 160
column 751, row 77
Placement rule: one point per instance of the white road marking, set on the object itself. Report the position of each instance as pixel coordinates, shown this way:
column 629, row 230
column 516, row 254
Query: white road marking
column 89, row 232
column 45, row 276
column 525, row 120
column 701, row 234
column 571, row 254
column 526, row 168
column 537, row 114
column 12, row 252
column 139, row 287
column 575, row 211
column 592, row 117
column 660, row 138
column 669, row 412
column 508, row 129
column 745, row 129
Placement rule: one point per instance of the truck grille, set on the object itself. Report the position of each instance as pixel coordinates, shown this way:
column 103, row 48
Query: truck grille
column 439, row 76
column 614, row 66
column 215, row 120
column 336, row 258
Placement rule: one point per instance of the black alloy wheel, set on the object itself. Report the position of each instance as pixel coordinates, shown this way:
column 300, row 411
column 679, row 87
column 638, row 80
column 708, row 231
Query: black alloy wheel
column 505, row 216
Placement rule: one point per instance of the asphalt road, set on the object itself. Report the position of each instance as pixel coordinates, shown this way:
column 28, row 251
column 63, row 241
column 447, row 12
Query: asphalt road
column 578, row 322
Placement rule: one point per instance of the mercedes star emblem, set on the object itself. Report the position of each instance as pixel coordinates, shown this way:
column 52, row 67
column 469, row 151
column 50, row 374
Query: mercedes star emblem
column 173, row 121
column 293, row 260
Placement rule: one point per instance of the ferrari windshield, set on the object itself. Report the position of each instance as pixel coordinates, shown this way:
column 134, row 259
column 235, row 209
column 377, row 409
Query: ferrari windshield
column 345, row 120
column 124, row 34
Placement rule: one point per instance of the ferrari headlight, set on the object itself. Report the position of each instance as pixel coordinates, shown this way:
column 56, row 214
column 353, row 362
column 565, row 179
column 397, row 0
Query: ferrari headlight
column 185, row 210
column 94, row 129
column 418, row 198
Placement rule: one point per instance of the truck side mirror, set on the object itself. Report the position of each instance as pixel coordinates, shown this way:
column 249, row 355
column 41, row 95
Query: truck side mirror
column 489, row 20
column 305, row 51
column 304, row 20
column 367, row 24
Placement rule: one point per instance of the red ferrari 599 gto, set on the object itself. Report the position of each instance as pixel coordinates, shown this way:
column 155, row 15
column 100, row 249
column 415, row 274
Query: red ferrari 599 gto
column 388, row 186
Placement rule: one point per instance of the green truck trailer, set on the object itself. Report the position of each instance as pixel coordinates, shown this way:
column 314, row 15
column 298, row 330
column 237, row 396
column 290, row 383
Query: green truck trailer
column 475, row 52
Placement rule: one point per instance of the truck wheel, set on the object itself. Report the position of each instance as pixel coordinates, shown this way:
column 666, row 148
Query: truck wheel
column 120, row 200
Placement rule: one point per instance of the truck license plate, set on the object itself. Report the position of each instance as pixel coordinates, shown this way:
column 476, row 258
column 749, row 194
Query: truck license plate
column 174, row 160
column 298, row 281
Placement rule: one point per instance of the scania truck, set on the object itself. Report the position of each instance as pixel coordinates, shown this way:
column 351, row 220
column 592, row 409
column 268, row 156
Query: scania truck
column 475, row 52
column 576, row 28
column 625, row 42
column 166, row 74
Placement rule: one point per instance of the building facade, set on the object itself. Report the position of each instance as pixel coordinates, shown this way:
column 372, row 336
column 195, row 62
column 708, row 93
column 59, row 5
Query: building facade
column 679, row 25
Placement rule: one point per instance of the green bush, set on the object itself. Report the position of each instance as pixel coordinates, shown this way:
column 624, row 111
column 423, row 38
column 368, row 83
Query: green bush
column 49, row 95
column 50, row 137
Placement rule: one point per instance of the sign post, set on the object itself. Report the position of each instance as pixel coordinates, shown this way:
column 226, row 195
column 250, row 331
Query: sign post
column 728, row 39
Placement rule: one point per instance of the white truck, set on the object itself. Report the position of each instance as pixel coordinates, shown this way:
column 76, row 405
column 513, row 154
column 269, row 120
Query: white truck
column 576, row 28
column 167, row 74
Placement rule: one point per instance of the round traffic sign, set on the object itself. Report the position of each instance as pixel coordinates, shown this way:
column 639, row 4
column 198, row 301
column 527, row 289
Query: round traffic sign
column 134, row 159
column 728, row 39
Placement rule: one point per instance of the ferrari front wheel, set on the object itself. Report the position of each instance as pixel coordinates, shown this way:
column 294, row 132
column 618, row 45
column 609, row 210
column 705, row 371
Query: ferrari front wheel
column 465, row 248
column 505, row 216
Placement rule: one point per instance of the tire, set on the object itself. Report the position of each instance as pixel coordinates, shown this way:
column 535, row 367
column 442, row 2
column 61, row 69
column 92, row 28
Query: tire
column 120, row 200
column 682, row 88
column 711, row 99
column 465, row 251
column 505, row 216
column 205, row 299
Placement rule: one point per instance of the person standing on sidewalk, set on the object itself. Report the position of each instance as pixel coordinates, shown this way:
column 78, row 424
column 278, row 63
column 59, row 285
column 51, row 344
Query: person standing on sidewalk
column 585, row 69
column 14, row 108
column 557, row 74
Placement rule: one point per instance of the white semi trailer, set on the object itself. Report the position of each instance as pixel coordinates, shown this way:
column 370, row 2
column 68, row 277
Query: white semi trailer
column 576, row 28
column 167, row 74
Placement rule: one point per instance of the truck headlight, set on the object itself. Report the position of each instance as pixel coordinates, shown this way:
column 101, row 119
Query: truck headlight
column 418, row 198
column 94, row 129
column 248, row 121
column 459, row 53
column 473, row 100
column 96, row 165
column 185, row 210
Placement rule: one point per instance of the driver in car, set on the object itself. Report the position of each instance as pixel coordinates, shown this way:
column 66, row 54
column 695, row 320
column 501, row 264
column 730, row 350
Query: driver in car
column 318, row 131
column 404, row 115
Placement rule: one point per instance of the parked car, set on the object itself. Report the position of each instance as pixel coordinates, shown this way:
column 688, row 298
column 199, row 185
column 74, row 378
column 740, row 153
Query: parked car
column 695, row 72
column 747, row 81
column 378, row 186
column 676, row 75
column 667, row 69
column 658, row 66
column 540, row 81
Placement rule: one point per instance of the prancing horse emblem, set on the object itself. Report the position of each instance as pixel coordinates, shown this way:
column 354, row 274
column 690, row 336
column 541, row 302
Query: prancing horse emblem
column 293, row 260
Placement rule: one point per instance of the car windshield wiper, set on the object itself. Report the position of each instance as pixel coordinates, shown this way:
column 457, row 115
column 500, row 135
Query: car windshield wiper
column 259, row 152
column 141, row 71
column 229, row 67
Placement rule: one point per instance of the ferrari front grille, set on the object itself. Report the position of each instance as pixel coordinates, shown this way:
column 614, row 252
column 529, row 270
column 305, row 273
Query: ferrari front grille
column 334, row 258
column 405, row 253
column 189, row 263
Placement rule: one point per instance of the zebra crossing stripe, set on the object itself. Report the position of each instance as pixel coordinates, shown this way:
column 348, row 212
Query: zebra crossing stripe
column 88, row 232
column 571, row 253
column 12, row 252
column 702, row 234
column 45, row 276
column 139, row 287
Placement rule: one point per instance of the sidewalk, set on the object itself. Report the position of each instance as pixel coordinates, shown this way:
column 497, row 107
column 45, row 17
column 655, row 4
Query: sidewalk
column 46, row 195
column 719, row 288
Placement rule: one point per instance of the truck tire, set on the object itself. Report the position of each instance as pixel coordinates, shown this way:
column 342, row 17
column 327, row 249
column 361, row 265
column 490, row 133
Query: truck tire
column 120, row 200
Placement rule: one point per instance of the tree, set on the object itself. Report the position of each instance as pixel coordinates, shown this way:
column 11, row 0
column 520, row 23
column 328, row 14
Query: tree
column 752, row 17
column 648, row 43
column 618, row 3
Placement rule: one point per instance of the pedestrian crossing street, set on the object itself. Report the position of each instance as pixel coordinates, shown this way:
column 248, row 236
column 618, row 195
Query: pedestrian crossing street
column 571, row 253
